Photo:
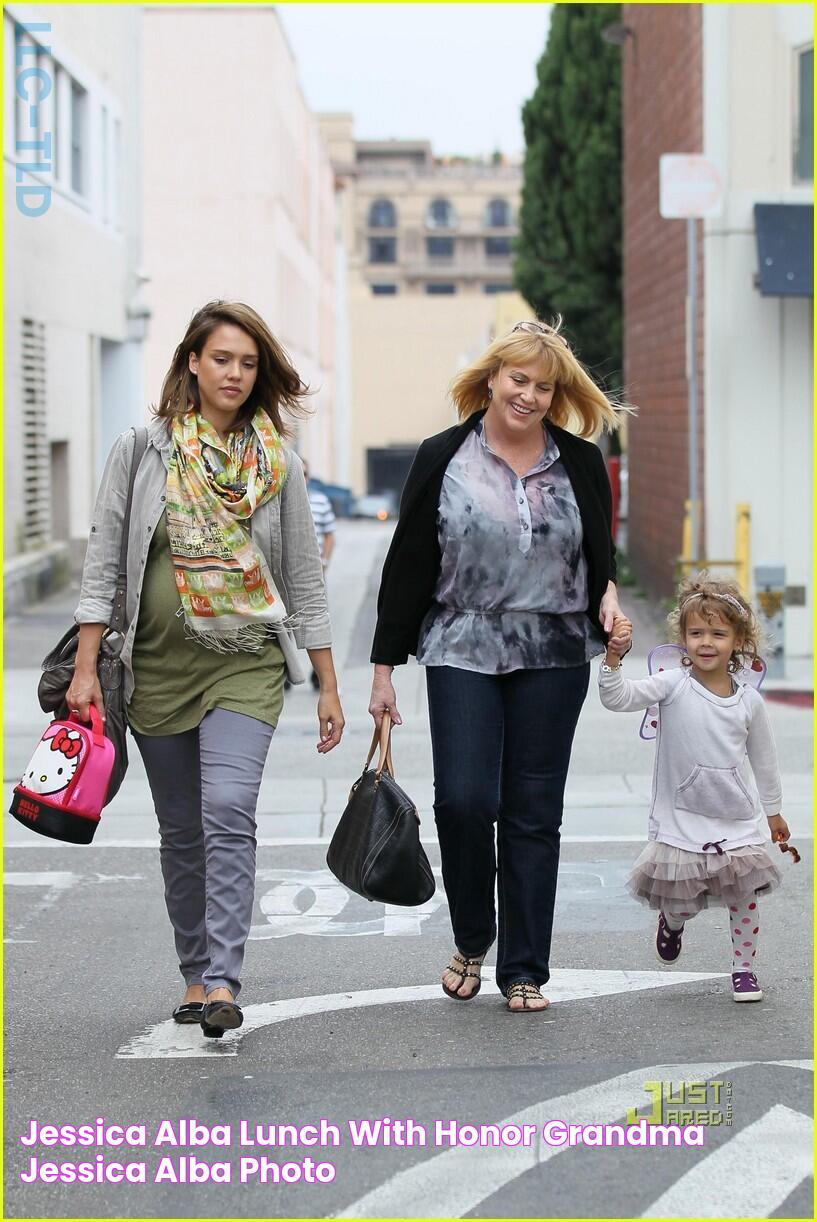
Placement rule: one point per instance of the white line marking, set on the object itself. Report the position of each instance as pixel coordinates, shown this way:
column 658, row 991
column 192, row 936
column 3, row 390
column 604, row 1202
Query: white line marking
column 749, row 1176
column 451, row 1184
column 276, row 842
column 58, row 880
column 168, row 1039
column 55, row 883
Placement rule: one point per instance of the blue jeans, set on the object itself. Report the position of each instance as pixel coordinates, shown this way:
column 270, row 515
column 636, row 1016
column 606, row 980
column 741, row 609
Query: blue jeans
column 501, row 747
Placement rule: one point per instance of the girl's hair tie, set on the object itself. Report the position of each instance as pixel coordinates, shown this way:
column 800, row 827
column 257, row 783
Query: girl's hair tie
column 784, row 847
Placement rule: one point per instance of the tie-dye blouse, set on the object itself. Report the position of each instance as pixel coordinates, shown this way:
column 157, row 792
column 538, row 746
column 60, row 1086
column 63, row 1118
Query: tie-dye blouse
column 512, row 590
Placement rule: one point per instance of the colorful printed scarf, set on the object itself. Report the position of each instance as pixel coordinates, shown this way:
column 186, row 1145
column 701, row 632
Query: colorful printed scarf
column 227, row 594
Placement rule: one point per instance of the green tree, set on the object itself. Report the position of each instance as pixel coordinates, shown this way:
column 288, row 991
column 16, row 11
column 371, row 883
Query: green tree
column 568, row 253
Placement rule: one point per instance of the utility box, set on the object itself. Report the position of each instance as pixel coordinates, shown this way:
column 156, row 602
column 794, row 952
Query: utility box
column 770, row 603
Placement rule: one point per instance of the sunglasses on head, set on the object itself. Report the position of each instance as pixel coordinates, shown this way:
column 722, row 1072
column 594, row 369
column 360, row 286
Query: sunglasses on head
column 539, row 328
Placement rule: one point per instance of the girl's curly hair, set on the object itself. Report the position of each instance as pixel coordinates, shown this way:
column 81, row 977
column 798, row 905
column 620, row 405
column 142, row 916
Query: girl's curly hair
column 723, row 599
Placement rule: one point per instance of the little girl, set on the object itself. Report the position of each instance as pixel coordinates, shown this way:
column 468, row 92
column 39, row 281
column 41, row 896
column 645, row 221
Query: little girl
column 715, row 777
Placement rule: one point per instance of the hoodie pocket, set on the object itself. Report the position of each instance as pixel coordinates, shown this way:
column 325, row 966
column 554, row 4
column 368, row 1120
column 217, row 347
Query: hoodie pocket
column 718, row 793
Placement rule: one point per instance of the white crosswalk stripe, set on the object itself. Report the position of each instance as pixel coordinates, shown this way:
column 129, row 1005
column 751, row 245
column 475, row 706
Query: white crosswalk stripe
column 748, row 1176
column 453, row 1183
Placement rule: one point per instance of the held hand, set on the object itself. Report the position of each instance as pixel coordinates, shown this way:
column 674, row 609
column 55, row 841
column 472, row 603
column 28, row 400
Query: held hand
column 621, row 636
column 383, row 700
column 83, row 692
column 609, row 608
column 330, row 721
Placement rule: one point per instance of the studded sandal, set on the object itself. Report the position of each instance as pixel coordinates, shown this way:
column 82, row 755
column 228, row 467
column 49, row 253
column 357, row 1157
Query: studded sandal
column 528, row 992
column 460, row 965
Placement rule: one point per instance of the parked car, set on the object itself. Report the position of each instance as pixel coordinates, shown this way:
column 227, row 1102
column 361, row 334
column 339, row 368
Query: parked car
column 379, row 505
column 340, row 498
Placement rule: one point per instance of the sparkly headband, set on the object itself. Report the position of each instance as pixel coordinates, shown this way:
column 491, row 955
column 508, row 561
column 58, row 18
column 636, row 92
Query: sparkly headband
column 727, row 598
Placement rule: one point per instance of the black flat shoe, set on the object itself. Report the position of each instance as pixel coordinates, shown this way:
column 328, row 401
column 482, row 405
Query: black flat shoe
column 212, row 1033
column 188, row 1012
column 221, row 1016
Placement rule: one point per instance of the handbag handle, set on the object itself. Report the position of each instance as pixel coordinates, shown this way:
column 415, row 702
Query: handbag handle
column 97, row 724
column 117, row 622
column 382, row 738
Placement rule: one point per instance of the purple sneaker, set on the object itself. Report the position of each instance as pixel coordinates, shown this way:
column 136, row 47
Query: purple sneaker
column 745, row 987
column 667, row 941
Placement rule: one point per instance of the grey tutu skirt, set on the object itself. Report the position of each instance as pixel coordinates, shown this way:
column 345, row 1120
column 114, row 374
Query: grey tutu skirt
column 680, row 880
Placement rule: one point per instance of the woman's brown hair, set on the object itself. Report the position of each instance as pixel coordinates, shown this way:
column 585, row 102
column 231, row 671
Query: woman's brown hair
column 278, row 387
column 578, row 404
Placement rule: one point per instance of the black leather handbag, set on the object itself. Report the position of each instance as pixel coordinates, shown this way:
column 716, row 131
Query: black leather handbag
column 376, row 850
column 58, row 666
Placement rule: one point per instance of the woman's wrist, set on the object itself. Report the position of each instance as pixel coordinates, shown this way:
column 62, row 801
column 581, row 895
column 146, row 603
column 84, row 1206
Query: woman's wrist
column 324, row 668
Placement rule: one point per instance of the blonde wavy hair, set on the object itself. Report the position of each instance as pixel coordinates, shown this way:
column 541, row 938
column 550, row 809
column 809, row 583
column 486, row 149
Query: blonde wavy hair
column 578, row 404
column 710, row 599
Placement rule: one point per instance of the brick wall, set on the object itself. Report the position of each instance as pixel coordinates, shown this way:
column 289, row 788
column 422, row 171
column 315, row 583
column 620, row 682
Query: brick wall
column 662, row 113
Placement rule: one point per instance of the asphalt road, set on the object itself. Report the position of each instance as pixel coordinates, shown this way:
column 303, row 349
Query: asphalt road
column 344, row 1019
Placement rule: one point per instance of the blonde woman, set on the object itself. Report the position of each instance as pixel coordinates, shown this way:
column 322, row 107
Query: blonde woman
column 501, row 580
column 224, row 583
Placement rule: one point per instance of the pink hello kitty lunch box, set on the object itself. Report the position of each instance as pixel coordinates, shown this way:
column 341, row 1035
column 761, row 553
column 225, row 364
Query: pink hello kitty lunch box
column 64, row 786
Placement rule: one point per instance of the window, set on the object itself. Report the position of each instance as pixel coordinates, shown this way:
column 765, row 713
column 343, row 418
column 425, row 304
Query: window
column 804, row 117
column 9, row 103
column 79, row 140
column 497, row 288
column 106, row 166
column 439, row 248
column 497, row 247
column 384, row 290
column 441, row 215
column 116, row 207
column 24, row 60
column 51, row 115
column 498, row 214
column 382, row 250
column 441, row 290
column 382, row 214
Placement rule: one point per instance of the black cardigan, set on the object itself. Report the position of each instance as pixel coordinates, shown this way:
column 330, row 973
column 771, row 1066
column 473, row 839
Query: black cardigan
column 412, row 565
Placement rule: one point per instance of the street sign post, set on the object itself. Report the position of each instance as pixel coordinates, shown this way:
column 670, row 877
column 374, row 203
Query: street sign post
column 690, row 188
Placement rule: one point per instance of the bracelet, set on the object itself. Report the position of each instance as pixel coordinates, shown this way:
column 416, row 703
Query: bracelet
column 610, row 670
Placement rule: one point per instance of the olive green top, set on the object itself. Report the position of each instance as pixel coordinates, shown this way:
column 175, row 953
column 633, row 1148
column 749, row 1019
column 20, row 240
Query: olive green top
column 177, row 680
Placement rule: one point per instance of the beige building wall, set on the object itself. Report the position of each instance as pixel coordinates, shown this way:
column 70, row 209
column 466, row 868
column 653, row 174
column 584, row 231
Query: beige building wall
column 239, row 196
column 73, row 324
column 417, row 192
column 406, row 346
column 404, row 359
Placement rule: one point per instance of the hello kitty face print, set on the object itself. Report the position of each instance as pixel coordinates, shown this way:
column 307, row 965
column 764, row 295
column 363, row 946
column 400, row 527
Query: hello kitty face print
column 53, row 765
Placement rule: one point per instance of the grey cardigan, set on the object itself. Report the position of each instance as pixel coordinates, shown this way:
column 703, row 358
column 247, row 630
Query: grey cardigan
column 282, row 529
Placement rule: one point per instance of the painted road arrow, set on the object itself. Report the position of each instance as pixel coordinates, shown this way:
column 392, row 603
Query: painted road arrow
column 169, row 1039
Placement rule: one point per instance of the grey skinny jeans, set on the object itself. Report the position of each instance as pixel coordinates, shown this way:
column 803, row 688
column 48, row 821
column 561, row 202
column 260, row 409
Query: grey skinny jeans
column 205, row 786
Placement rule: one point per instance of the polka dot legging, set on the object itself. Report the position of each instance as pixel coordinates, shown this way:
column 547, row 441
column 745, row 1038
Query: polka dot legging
column 744, row 926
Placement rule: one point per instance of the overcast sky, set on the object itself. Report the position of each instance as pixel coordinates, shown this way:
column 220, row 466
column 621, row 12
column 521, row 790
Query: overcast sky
column 456, row 74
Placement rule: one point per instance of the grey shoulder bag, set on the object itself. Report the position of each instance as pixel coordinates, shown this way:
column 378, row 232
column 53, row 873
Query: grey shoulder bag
column 58, row 666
